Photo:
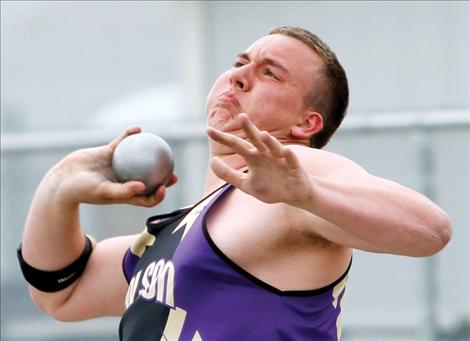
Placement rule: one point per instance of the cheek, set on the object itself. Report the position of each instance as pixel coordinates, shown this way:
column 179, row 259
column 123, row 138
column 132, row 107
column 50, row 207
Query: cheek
column 273, row 111
column 293, row 103
column 278, row 103
column 222, row 82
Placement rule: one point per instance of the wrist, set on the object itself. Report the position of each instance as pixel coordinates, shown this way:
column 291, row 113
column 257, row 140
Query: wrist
column 306, row 197
column 56, row 186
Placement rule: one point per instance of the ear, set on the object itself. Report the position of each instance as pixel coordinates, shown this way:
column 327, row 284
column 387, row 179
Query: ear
column 311, row 124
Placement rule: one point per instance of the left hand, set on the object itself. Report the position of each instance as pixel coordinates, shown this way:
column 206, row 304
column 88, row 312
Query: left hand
column 274, row 171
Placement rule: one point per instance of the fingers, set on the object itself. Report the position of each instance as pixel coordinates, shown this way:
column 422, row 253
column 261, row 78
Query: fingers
column 150, row 200
column 226, row 173
column 130, row 193
column 291, row 159
column 117, row 192
column 173, row 179
column 129, row 131
column 252, row 132
column 237, row 144
column 262, row 141
column 275, row 147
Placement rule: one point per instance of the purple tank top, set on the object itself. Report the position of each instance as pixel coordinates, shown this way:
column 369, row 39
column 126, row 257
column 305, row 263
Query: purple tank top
column 182, row 287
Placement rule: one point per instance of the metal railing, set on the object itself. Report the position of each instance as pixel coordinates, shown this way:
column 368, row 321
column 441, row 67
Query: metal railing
column 50, row 140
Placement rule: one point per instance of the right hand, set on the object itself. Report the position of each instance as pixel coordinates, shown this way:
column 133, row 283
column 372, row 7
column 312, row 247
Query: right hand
column 86, row 176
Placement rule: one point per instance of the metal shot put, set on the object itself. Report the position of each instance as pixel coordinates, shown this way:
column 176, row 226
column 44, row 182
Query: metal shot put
column 144, row 157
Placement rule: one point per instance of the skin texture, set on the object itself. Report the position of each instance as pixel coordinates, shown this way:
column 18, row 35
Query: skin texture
column 292, row 219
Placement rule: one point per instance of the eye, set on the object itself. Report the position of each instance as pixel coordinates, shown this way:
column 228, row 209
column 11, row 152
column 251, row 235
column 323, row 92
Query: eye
column 269, row 73
column 238, row 63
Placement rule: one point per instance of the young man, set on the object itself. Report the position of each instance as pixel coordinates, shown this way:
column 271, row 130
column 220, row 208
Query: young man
column 265, row 254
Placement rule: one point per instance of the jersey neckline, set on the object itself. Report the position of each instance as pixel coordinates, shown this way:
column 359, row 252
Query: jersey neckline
column 313, row 292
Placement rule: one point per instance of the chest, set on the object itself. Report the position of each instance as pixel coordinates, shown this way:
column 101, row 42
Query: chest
column 264, row 239
column 243, row 227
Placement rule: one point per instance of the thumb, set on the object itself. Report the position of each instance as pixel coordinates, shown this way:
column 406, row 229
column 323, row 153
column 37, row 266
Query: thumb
column 226, row 173
column 118, row 191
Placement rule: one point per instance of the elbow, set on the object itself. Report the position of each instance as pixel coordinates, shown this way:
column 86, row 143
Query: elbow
column 434, row 237
column 443, row 232
column 51, row 305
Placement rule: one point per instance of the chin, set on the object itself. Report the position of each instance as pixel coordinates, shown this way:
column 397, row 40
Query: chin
column 218, row 122
column 223, row 120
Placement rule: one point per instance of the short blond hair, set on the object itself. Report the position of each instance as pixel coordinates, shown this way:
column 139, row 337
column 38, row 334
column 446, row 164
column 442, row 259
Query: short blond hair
column 332, row 97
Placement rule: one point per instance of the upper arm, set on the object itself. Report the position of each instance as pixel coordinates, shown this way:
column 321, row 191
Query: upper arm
column 315, row 226
column 101, row 289
column 366, row 212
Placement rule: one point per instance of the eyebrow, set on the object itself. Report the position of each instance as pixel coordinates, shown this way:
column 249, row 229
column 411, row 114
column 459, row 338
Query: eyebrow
column 266, row 60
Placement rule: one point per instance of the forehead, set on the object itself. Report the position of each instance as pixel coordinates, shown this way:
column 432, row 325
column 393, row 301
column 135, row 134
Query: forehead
column 291, row 52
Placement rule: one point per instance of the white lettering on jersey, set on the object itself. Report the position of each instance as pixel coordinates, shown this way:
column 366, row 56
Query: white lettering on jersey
column 156, row 283
column 132, row 288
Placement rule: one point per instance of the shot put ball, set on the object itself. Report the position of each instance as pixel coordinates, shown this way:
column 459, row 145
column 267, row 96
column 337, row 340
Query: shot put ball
column 144, row 157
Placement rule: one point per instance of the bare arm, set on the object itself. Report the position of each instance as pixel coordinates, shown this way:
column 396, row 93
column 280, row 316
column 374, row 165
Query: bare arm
column 334, row 197
column 373, row 214
column 53, row 237
column 100, row 291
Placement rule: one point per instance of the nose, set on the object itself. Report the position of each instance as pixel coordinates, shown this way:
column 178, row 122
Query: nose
column 239, row 78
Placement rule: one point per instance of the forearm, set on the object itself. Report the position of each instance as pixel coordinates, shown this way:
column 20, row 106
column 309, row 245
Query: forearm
column 380, row 213
column 52, row 237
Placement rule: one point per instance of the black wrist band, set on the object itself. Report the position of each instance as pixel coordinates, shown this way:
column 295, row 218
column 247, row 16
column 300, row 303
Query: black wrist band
column 52, row 281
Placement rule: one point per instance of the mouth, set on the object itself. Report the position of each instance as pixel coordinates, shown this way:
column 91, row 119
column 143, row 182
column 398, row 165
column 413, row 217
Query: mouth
column 229, row 98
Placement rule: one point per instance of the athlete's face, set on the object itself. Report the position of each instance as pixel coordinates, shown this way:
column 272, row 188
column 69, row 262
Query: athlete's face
column 268, row 82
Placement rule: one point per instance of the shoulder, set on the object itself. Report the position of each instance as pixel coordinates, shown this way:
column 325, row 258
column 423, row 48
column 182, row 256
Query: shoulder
column 326, row 164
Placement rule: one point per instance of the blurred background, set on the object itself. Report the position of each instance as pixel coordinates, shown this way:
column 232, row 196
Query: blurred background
column 75, row 73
